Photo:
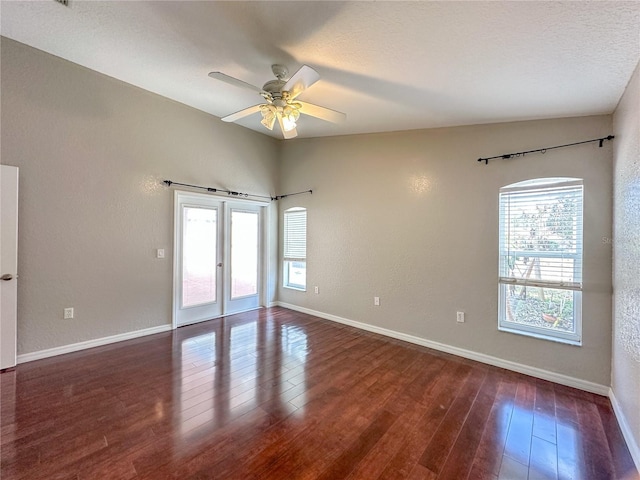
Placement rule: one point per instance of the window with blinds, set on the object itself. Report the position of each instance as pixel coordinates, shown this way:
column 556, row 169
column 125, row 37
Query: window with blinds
column 295, row 248
column 540, row 251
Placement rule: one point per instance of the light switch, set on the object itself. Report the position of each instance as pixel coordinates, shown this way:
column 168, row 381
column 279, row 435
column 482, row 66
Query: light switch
column 160, row 253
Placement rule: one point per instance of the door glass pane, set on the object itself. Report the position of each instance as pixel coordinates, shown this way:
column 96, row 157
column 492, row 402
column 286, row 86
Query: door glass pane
column 244, row 253
column 199, row 259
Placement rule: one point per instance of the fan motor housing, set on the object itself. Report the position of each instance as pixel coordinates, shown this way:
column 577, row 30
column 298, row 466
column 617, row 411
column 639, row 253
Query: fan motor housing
column 274, row 86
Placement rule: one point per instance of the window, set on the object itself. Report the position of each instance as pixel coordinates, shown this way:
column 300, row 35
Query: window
column 540, row 283
column 295, row 248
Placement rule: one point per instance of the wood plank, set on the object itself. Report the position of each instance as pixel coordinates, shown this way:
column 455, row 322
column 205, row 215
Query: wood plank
column 544, row 415
column 571, row 462
column 488, row 457
column 435, row 455
column 622, row 460
column 324, row 442
column 409, row 408
column 518, row 444
column 512, row 470
column 443, row 394
column 543, row 463
column 344, row 464
column 461, row 456
column 599, row 463
column 421, row 473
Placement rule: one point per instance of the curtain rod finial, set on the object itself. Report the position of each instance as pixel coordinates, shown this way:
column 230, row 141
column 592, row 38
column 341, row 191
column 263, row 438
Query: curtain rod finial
column 608, row 137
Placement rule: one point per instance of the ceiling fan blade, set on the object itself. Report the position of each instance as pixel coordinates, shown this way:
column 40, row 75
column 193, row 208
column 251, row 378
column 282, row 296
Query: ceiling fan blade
column 241, row 114
column 322, row 113
column 234, row 81
column 287, row 134
column 301, row 80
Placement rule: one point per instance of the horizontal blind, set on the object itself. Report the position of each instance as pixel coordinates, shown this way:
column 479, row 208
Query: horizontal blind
column 541, row 234
column 295, row 234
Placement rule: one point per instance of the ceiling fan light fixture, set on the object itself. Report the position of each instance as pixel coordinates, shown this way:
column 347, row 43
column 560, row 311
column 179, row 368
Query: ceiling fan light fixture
column 288, row 123
column 289, row 111
column 290, row 116
column 268, row 116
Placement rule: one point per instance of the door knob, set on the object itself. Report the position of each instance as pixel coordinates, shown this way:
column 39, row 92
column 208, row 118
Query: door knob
column 6, row 277
column 220, row 264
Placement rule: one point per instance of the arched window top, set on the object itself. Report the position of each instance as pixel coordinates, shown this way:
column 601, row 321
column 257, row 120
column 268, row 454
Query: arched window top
column 543, row 182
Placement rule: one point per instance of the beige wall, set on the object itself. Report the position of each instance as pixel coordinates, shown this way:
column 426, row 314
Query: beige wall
column 92, row 151
column 412, row 217
column 625, row 378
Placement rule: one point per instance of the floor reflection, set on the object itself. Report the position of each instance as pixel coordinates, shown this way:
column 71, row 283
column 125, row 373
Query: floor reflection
column 294, row 343
column 196, row 391
column 232, row 366
column 549, row 446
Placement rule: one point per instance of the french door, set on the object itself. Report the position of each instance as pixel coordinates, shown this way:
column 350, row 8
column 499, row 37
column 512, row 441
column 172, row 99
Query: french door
column 217, row 257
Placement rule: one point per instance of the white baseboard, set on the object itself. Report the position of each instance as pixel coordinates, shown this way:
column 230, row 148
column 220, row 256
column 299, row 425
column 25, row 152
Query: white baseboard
column 461, row 352
column 74, row 347
column 627, row 433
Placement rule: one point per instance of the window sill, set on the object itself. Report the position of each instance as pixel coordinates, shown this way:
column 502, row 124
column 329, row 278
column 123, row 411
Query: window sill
column 541, row 336
column 291, row 287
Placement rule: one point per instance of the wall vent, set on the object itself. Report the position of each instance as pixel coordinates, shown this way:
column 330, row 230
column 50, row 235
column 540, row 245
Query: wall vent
column 63, row 2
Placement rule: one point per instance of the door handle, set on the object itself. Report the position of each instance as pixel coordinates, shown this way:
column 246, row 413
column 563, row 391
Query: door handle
column 220, row 264
column 6, row 277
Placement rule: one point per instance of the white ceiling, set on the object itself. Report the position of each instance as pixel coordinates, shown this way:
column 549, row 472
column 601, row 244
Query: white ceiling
column 387, row 65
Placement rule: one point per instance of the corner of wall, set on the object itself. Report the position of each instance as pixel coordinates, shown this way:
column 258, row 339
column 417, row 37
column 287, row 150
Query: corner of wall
column 625, row 357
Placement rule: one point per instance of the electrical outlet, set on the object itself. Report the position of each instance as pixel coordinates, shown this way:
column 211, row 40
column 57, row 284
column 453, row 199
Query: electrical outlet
column 68, row 313
column 376, row 301
column 316, row 289
column 460, row 317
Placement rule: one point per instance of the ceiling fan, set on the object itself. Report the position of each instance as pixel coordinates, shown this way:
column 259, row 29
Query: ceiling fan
column 280, row 102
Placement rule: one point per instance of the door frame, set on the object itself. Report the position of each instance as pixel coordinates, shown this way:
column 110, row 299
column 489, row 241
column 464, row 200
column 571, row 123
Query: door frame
column 263, row 268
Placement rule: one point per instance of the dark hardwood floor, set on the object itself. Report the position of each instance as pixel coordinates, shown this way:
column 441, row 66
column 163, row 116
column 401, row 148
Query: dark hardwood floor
column 275, row 394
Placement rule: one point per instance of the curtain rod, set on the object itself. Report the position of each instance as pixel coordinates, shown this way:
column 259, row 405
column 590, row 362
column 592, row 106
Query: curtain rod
column 544, row 150
column 168, row 183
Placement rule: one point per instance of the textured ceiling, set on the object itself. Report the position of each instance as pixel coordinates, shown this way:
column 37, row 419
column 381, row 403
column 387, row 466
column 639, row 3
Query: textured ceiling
column 387, row 65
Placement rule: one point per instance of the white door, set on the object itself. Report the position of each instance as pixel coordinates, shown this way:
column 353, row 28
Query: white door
column 8, row 264
column 243, row 247
column 217, row 260
column 197, row 258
